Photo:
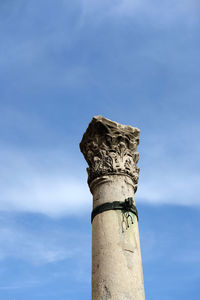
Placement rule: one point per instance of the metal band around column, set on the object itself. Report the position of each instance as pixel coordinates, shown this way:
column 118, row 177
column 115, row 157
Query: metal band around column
column 125, row 206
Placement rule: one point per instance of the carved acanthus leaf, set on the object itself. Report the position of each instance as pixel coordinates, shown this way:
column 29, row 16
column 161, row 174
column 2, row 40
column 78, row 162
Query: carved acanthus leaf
column 110, row 148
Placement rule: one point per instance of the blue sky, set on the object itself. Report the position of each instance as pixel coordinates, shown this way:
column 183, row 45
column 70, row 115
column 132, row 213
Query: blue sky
column 61, row 63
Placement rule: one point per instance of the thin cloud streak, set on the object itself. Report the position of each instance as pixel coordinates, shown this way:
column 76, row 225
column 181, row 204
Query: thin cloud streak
column 21, row 284
column 170, row 189
column 30, row 185
column 38, row 248
column 164, row 13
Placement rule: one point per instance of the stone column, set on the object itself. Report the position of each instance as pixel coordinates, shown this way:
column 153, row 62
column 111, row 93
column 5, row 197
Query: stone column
column 110, row 150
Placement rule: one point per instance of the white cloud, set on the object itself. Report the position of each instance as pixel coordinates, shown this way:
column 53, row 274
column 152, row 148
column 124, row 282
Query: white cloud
column 154, row 10
column 51, row 182
column 21, row 284
column 48, row 194
column 170, row 168
column 31, row 184
column 41, row 246
column 34, row 248
column 164, row 187
column 38, row 245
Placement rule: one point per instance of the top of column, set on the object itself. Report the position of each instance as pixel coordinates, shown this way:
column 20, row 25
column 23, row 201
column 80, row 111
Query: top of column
column 110, row 149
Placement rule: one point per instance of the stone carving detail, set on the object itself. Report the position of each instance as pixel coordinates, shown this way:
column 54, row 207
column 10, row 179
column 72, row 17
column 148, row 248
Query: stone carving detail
column 110, row 148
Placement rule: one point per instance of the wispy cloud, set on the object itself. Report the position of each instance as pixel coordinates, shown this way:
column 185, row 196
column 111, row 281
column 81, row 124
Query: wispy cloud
column 170, row 168
column 169, row 187
column 162, row 12
column 39, row 247
column 26, row 283
column 28, row 184
column 35, row 249
column 51, row 182
column 34, row 56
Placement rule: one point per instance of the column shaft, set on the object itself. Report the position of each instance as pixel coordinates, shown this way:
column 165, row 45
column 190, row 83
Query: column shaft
column 110, row 150
column 116, row 258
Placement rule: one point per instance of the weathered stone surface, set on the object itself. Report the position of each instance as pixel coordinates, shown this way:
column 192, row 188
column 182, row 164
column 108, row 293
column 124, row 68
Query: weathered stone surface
column 111, row 152
column 110, row 148
column 116, row 256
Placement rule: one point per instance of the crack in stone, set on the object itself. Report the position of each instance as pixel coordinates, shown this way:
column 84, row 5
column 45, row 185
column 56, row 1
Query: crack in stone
column 107, row 293
column 129, row 250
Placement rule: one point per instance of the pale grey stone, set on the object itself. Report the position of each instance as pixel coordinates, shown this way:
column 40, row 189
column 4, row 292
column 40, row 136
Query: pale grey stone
column 111, row 152
column 110, row 148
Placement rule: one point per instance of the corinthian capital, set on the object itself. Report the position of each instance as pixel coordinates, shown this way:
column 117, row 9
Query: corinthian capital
column 110, row 148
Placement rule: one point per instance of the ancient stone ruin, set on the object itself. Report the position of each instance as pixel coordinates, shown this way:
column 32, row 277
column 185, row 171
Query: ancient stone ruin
column 110, row 150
